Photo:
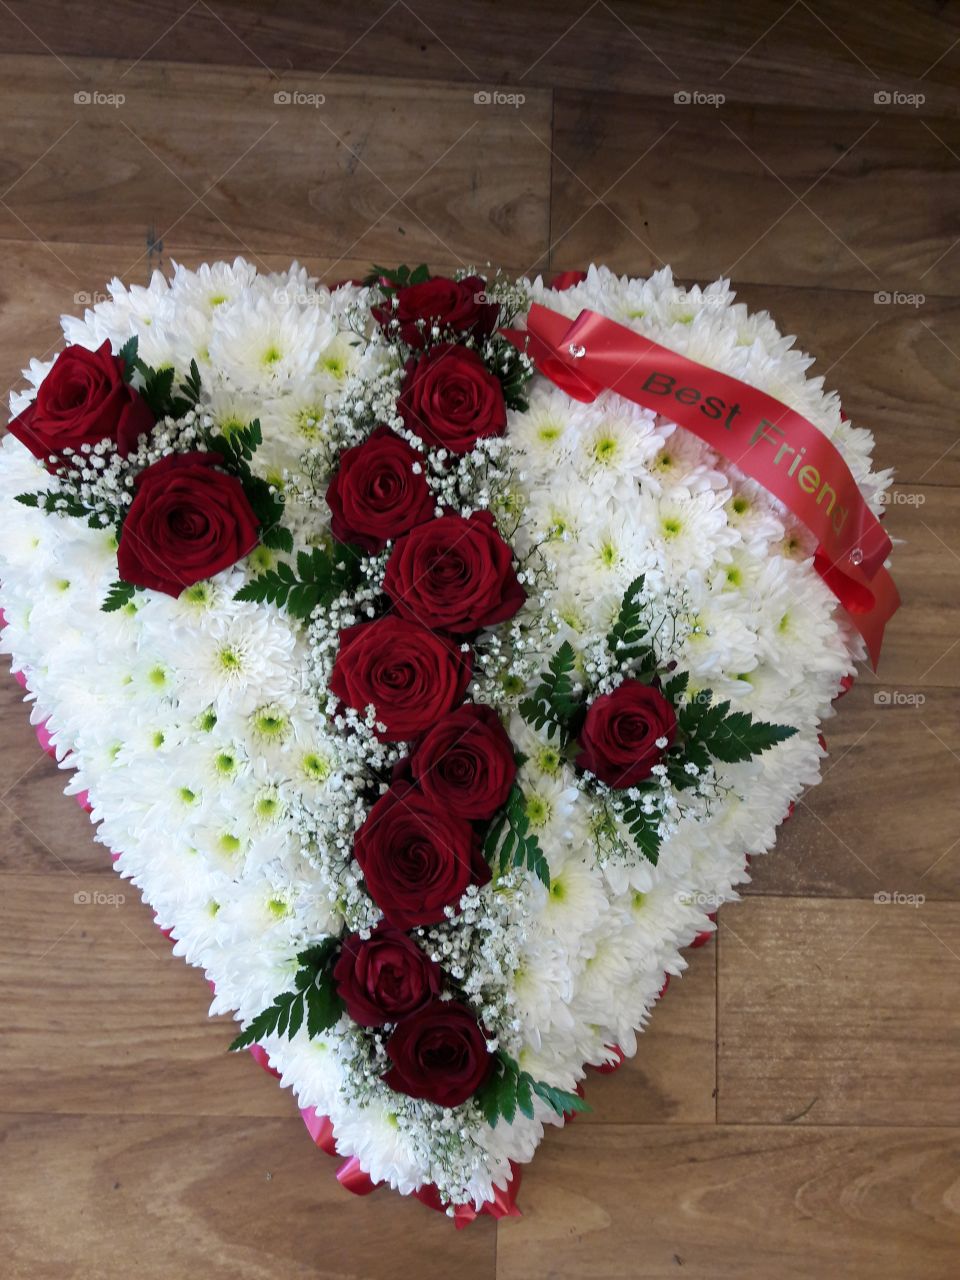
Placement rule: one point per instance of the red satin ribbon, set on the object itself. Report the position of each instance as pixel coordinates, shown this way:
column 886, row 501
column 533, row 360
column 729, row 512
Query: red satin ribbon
column 763, row 437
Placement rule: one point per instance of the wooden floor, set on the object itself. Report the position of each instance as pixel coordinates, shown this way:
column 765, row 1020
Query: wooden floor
column 794, row 1110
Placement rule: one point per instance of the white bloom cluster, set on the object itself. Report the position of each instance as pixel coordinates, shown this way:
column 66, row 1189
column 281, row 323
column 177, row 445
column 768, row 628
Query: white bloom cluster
column 228, row 782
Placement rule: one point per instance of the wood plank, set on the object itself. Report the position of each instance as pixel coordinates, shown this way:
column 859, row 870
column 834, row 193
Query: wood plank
column 752, row 51
column 672, row 1077
column 838, row 1012
column 40, row 828
column 846, row 837
column 379, row 169
column 923, row 646
column 894, row 365
column 110, row 1197
column 729, row 1203
column 101, row 1017
column 782, row 195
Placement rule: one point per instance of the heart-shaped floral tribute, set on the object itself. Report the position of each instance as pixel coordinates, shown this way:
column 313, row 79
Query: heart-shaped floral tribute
column 432, row 710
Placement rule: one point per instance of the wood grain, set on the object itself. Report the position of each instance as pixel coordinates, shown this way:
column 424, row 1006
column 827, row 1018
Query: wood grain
column 785, row 196
column 833, row 1012
column 133, row 1014
column 821, row 1030
column 845, row 838
column 107, row 1197
column 380, row 168
column 752, row 51
column 628, row 1202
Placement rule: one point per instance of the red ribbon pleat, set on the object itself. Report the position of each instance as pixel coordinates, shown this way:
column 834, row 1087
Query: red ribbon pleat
column 768, row 441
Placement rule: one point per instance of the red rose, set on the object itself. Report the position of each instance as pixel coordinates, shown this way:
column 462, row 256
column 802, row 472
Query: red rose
column 465, row 764
column 83, row 400
column 409, row 674
column 187, row 521
column 416, row 860
column 619, row 735
column 385, row 977
column 439, row 1054
column 450, row 400
column 376, row 495
column 454, row 574
column 451, row 304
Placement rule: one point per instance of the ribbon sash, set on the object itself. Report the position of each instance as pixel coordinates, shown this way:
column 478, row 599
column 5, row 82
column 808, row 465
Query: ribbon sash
column 766, row 439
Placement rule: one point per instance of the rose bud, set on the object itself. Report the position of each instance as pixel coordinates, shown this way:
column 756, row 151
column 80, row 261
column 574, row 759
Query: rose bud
column 187, row 521
column 385, row 977
column 439, row 1054
column 416, row 860
column 83, row 400
column 450, row 304
column 620, row 734
column 376, row 495
column 409, row 674
column 454, row 574
column 465, row 763
column 450, row 400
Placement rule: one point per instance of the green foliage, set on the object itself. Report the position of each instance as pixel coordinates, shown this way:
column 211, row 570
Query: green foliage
column 626, row 639
column 554, row 703
column 156, row 385
column 509, row 1090
column 514, row 373
column 390, row 279
column 321, row 575
column 314, row 997
column 128, row 354
column 119, row 594
column 730, row 736
column 510, row 842
column 643, row 828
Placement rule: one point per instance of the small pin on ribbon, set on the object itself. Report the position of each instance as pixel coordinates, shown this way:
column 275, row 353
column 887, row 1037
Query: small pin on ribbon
column 856, row 556
column 576, row 351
